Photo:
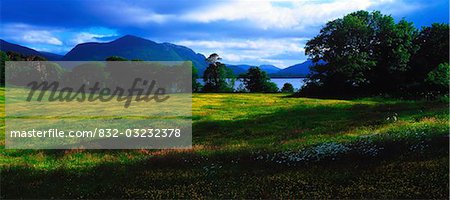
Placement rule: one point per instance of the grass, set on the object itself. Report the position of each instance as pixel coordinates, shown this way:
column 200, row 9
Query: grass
column 258, row 146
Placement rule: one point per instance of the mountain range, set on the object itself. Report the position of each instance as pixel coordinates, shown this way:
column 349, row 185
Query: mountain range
column 297, row 70
column 6, row 46
column 132, row 47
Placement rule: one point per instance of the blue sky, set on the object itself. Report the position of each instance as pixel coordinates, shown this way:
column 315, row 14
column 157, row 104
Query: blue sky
column 242, row 32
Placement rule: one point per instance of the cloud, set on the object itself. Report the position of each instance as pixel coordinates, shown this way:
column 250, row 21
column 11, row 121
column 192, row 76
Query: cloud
column 280, row 44
column 31, row 34
column 40, row 37
column 247, row 31
column 53, row 39
column 90, row 37
column 288, row 14
column 130, row 14
column 267, row 51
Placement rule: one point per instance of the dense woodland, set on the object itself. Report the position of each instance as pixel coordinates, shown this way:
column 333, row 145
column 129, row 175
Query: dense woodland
column 369, row 54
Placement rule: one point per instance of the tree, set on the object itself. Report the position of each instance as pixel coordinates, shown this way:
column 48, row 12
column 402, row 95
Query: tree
column 52, row 72
column 196, row 86
column 287, row 88
column 364, row 53
column 393, row 51
column 38, row 69
column 116, row 58
column 215, row 76
column 13, row 56
column 88, row 74
column 256, row 80
column 3, row 59
column 271, row 87
column 213, row 58
column 438, row 78
column 433, row 50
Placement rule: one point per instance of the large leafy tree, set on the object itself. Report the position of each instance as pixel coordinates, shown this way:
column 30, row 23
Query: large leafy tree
column 256, row 80
column 393, row 50
column 438, row 79
column 345, row 46
column 433, row 42
column 215, row 76
column 361, row 50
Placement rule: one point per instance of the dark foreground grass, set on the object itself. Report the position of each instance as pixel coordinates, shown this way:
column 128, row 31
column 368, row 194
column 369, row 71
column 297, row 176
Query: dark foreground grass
column 392, row 174
column 259, row 146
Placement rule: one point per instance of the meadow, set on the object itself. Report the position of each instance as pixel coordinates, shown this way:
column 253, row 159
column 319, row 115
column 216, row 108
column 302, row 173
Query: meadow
column 258, row 146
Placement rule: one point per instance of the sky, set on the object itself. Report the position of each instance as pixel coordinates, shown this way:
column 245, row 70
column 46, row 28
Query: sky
column 241, row 31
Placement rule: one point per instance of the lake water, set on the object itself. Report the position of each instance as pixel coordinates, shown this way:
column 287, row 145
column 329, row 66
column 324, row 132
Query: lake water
column 296, row 82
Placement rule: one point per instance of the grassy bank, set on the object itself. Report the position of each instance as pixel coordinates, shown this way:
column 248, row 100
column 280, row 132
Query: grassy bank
column 259, row 146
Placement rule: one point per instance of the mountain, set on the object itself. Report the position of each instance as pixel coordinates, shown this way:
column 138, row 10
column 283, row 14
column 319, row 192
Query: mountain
column 6, row 46
column 297, row 70
column 51, row 56
column 132, row 47
column 240, row 69
column 270, row 69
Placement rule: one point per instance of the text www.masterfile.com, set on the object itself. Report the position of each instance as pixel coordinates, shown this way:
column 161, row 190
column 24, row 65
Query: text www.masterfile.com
column 97, row 133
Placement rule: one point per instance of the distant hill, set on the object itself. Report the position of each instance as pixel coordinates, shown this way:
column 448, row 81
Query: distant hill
column 297, row 70
column 240, row 69
column 270, row 69
column 132, row 47
column 51, row 56
column 6, row 46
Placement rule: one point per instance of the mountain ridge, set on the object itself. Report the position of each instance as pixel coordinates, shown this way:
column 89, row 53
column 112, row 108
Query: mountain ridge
column 134, row 47
column 297, row 70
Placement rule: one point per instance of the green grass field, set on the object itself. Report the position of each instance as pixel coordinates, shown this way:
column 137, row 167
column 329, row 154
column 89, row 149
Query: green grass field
column 258, row 146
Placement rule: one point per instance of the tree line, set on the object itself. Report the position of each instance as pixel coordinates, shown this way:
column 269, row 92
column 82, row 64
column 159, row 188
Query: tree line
column 368, row 53
column 170, row 76
column 218, row 78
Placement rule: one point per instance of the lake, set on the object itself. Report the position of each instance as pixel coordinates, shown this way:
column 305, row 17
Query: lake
column 296, row 82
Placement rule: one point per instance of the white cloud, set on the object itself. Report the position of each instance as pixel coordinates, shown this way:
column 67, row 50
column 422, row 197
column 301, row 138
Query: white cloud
column 52, row 39
column 266, row 18
column 31, row 34
column 251, row 51
column 88, row 37
column 271, row 15
column 40, row 37
column 279, row 44
column 288, row 14
column 129, row 14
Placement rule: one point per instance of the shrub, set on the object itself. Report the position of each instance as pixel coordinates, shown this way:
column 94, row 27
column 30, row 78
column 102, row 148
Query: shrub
column 287, row 88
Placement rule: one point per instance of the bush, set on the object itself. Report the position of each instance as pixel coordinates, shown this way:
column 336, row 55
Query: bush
column 438, row 78
column 287, row 88
column 256, row 80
